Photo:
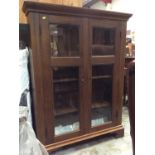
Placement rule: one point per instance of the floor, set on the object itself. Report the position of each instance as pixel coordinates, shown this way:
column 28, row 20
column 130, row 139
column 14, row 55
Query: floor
column 108, row 145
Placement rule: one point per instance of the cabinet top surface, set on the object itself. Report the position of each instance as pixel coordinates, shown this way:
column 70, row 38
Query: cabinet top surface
column 47, row 8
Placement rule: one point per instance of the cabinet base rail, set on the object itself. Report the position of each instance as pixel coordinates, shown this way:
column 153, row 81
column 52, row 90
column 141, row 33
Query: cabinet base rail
column 117, row 130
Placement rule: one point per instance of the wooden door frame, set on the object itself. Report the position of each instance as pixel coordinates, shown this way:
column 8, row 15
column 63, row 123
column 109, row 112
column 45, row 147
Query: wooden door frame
column 45, row 20
column 107, row 59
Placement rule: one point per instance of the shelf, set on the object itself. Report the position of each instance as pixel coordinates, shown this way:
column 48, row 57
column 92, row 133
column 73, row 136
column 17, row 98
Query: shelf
column 101, row 77
column 104, row 47
column 70, row 54
column 65, row 80
column 65, row 110
column 100, row 104
column 66, row 90
column 99, row 49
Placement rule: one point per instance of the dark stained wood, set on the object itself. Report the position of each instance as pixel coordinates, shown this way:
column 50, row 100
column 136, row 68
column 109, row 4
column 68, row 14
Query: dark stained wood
column 45, row 65
column 119, row 133
column 37, row 77
column 67, row 136
column 47, row 80
column 131, row 104
column 65, row 111
column 103, row 47
column 59, row 19
column 120, row 70
column 62, row 61
column 101, row 77
column 108, row 59
column 65, row 80
column 117, row 129
column 103, row 59
column 74, row 11
column 82, row 75
column 128, row 60
column 76, row 61
column 86, row 75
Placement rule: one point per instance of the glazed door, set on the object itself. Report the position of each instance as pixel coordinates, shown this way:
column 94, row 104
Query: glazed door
column 104, row 43
column 63, row 70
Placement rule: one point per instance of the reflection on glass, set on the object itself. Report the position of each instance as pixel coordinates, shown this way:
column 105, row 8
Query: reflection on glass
column 101, row 94
column 103, row 41
column 64, row 40
column 61, row 127
column 66, row 99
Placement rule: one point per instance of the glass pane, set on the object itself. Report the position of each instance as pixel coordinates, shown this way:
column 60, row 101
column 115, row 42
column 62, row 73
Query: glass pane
column 64, row 40
column 101, row 111
column 103, row 41
column 66, row 99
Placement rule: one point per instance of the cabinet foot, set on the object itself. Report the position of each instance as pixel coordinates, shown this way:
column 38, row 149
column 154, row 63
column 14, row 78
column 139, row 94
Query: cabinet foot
column 119, row 133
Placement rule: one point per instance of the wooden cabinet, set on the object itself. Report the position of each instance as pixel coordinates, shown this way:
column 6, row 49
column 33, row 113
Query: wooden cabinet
column 77, row 65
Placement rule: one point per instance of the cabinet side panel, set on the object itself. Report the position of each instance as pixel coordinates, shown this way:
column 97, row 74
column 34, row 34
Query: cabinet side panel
column 36, row 74
column 47, row 75
column 121, row 72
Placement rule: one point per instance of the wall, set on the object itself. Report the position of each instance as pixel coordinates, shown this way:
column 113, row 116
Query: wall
column 99, row 5
column 22, row 18
column 127, row 6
